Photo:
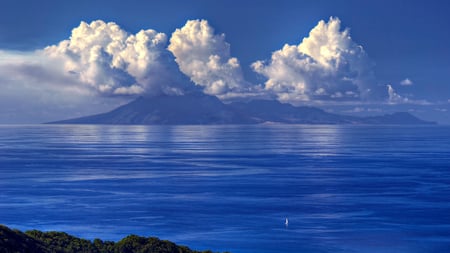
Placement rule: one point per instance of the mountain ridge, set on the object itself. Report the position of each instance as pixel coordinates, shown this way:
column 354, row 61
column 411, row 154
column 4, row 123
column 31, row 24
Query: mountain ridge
column 200, row 109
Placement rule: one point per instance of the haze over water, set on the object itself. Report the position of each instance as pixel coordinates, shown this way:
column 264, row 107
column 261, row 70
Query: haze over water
column 343, row 188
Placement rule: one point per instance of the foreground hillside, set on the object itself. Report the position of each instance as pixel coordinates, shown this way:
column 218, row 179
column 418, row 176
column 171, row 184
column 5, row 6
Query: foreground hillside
column 14, row 241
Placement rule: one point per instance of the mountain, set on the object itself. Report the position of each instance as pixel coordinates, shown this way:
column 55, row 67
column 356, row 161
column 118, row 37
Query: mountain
column 200, row 109
column 167, row 110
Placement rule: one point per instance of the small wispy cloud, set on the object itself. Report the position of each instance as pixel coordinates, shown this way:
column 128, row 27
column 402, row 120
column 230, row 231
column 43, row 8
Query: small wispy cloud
column 406, row 82
column 394, row 97
column 374, row 110
column 356, row 110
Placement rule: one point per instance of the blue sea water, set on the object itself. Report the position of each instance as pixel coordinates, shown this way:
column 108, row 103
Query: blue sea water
column 343, row 188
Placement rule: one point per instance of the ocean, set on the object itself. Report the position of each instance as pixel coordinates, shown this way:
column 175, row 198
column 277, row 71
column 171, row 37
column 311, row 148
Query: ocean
column 231, row 188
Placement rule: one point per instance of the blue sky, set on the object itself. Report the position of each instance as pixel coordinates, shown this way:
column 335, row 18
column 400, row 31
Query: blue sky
column 405, row 43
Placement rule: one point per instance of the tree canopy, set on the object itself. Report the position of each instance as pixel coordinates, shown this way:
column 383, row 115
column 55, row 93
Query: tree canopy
column 34, row 241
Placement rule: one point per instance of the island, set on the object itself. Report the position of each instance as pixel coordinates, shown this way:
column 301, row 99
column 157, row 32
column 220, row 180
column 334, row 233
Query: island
column 201, row 109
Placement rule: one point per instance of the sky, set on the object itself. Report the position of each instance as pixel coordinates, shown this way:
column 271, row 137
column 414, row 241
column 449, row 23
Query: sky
column 64, row 59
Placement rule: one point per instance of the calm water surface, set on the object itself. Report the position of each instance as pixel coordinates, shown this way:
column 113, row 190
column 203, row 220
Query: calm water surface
column 343, row 188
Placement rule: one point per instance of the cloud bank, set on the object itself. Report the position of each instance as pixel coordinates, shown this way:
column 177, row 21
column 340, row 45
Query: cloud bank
column 34, row 90
column 326, row 66
column 101, row 61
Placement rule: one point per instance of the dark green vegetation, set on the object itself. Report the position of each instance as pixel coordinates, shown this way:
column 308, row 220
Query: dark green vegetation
column 15, row 241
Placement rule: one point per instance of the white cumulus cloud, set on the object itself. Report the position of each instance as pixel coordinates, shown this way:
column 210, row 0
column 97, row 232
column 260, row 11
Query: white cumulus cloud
column 205, row 58
column 110, row 61
column 326, row 65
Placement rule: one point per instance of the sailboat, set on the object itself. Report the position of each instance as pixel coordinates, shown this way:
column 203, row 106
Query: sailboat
column 286, row 222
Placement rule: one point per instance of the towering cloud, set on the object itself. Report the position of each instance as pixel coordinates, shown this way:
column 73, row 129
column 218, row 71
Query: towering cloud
column 113, row 62
column 205, row 58
column 327, row 65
